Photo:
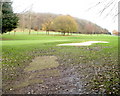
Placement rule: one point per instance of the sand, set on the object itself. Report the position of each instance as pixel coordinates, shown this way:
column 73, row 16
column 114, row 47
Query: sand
column 82, row 44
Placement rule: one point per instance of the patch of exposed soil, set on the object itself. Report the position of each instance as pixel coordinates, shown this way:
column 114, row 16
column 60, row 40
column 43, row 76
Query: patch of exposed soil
column 57, row 79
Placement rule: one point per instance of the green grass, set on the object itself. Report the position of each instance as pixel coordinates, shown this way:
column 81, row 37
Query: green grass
column 19, row 50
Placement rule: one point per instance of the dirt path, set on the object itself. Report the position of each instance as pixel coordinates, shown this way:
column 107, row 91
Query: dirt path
column 45, row 75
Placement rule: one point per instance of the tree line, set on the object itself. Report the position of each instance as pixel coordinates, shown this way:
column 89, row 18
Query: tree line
column 60, row 23
column 47, row 22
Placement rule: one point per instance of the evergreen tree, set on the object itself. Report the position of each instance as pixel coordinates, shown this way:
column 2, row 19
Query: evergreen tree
column 9, row 19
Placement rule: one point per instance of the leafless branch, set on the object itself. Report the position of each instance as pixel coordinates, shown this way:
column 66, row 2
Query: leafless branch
column 109, row 7
column 106, row 6
column 112, row 9
column 95, row 5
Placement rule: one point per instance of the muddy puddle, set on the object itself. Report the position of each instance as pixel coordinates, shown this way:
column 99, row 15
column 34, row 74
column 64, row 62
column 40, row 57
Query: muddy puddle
column 45, row 75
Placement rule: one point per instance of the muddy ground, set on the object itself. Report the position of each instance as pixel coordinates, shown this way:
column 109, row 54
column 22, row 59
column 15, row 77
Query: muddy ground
column 41, row 78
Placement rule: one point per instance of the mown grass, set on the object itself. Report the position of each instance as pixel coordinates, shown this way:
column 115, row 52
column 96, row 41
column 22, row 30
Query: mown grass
column 19, row 50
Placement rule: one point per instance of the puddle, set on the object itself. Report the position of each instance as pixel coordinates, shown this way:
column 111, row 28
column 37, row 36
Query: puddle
column 82, row 44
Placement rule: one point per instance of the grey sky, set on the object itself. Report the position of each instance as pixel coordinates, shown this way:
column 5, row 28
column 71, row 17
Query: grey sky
column 76, row 8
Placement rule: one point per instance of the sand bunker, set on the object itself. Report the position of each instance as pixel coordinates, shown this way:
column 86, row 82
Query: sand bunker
column 82, row 44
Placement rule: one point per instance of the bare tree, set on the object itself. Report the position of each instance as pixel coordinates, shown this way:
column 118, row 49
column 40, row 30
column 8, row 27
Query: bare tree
column 108, row 8
column 30, row 18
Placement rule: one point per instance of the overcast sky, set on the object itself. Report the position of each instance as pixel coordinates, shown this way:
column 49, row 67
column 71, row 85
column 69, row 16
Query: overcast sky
column 76, row 8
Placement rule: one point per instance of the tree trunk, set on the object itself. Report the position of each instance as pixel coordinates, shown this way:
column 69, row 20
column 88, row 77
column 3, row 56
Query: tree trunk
column 14, row 33
column 37, row 32
column 68, row 33
column 48, row 32
column 29, row 32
